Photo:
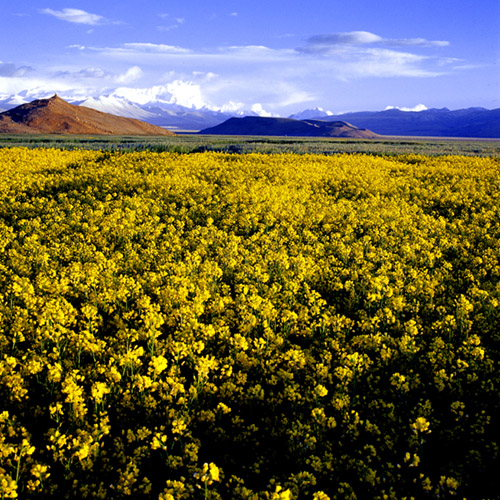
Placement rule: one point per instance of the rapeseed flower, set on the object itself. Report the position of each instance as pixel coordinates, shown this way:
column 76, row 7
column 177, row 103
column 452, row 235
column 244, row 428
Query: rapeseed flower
column 280, row 316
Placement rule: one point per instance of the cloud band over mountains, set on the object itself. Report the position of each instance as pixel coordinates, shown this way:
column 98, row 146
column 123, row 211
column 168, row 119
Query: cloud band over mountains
column 241, row 76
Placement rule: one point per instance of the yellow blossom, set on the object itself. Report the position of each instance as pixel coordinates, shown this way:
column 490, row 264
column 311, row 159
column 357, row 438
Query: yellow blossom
column 421, row 425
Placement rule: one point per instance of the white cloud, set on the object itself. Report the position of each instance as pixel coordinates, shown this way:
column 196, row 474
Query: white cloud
column 258, row 109
column 416, row 42
column 239, row 77
column 469, row 67
column 12, row 71
column 243, row 75
column 346, row 63
column 232, row 107
column 350, row 38
column 418, row 107
column 320, row 44
column 99, row 75
column 92, row 73
column 131, row 75
column 184, row 93
column 32, row 87
column 386, row 62
column 258, row 52
column 201, row 75
column 144, row 95
column 75, row 16
column 341, row 61
column 157, row 48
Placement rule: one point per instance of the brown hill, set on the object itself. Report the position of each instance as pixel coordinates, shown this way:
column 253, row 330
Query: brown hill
column 56, row 116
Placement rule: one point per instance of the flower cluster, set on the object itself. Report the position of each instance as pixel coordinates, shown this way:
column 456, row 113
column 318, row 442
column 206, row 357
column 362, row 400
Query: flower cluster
column 248, row 326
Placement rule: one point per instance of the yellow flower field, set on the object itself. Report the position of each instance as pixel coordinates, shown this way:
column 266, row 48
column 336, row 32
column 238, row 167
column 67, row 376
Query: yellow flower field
column 248, row 326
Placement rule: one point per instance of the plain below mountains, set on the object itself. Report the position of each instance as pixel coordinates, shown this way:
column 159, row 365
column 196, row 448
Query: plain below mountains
column 257, row 125
column 56, row 116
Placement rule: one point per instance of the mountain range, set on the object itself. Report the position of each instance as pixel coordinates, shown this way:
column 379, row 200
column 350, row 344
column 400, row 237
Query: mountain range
column 470, row 122
column 169, row 115
column 56, row 116
column 157, row 112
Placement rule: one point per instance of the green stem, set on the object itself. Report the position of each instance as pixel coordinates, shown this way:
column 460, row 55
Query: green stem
column 18, row 469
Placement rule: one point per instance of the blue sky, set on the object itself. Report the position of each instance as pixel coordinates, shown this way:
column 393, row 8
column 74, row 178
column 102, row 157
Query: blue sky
column 271, row 56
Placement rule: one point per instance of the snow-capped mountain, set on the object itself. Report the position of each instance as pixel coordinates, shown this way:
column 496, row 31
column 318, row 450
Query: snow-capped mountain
column 309, row 114
column 159, row 106
column 176, row 117
column 156, row 105
column 116, row 106
column 156, row 111
column 9, row 101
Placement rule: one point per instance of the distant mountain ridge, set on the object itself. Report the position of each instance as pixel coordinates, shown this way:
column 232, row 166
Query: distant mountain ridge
column 56, row 116
column 470, row 122
column 169, row 115
column 257, row 125
column 162, row 114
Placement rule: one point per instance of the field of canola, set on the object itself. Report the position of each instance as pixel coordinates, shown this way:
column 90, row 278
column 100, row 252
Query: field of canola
column 215, row 326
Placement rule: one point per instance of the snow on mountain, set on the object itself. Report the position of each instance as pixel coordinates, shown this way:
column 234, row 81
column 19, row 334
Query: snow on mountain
column 309, row 114
column 172, row 107
column 177, row 105
column 159, row 106
column 11, row 101
column 417, row 108
column 146, row 96
column 116, row 106
column 176, row 117
column 186, row 94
